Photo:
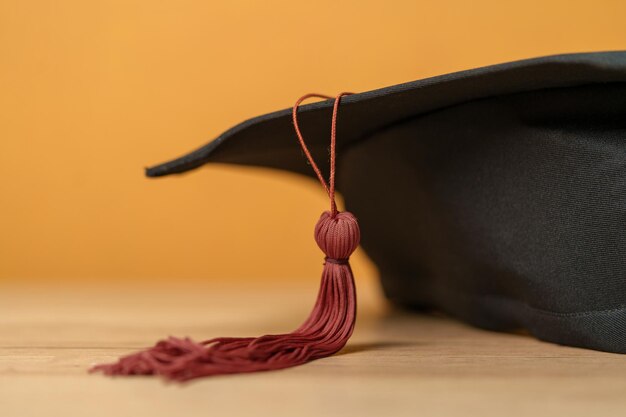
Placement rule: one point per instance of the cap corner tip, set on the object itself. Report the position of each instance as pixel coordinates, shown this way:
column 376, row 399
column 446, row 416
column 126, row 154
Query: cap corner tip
column 150, row 172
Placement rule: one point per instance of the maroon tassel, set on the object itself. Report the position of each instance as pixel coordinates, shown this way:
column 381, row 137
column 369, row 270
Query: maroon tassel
column 323, row 333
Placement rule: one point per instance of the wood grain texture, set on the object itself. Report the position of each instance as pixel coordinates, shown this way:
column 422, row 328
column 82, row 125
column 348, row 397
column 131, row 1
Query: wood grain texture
column 396, row 364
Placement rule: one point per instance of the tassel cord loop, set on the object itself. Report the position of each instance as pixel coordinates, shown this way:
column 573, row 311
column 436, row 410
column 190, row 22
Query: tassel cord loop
column 330, row 186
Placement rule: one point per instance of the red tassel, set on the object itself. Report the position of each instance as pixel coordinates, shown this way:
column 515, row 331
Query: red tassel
column 324, row 332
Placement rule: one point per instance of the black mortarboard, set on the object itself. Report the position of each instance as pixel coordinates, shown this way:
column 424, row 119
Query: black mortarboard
column 497, row 195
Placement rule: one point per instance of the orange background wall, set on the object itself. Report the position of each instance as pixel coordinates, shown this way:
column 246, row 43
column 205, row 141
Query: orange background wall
column 93, row 91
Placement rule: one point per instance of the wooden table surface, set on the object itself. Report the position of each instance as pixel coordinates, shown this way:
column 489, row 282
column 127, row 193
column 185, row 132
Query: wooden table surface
column 396, row 364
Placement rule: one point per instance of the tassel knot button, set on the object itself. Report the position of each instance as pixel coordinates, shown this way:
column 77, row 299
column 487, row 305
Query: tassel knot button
column 337, row 236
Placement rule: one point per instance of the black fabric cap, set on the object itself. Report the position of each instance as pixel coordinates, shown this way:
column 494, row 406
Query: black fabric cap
column 497, row 195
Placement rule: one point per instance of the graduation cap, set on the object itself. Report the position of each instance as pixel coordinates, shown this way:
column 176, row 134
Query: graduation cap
column 496, row 195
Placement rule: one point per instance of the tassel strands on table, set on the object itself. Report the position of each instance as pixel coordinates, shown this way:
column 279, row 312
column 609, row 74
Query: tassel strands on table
column 323, row 333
